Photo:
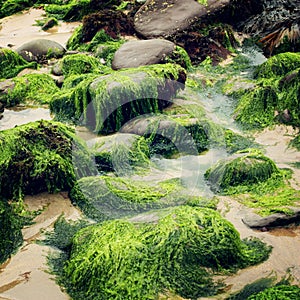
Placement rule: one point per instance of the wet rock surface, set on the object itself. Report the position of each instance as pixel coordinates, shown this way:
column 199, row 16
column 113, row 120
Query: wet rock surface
column 140, row 53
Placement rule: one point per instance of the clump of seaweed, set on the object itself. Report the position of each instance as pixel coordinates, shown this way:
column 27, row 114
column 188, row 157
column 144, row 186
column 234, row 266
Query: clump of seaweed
column 10, row 231
column 281, row 291
column 30, row 88
column 244, row 169
column 11, row 63
column 119, row 260
column 107, row 197
column 41, row 156
column 124, row 153
column 275, row 95
column 78, row 64
column 118, row 96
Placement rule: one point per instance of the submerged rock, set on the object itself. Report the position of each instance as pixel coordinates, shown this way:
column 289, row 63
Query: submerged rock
column 41, row 156
column 243, row 169
column 41, row 50
column 179, row 253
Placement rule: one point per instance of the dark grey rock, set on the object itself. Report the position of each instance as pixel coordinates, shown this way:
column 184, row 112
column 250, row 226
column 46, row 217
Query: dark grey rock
column 275, row 220
column 142, row 52
column 162, row 18
column 40, row 50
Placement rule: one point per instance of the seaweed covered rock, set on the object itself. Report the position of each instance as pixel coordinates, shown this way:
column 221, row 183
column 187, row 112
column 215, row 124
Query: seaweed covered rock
column 78, row 64
column 41, row 156
column 242, row 169
column 106, row 197
column 123, row 153
column 133, row 54
column 41, row 50
column 73, row 10
column 275, row 97
column 9, row 7
column 30, row 88
column 281, row 291
column 105, row 103
column 12, row 63
column 119, row 260
column 169, row 135
column 10, row 231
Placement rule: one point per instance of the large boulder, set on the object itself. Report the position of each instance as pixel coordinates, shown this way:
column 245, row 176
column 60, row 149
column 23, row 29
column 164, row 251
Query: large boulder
column 40, row 50
column 143, row 52
column 157, row 18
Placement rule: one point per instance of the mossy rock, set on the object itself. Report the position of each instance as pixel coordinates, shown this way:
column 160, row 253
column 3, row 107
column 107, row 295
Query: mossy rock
column 41, row 156
column 10, row 231
column 120, row 260
column 107, row 197
column 278, row 65
column 30, row 88
column 80, row 63
column 123, row 153
column 105, row 103
column 10, row 7
column 73, row 10
column 282, row 291
column 246, row 168
column 11, row 63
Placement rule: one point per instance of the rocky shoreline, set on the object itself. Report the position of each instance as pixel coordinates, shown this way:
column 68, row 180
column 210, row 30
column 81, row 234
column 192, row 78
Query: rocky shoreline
column 151, row 175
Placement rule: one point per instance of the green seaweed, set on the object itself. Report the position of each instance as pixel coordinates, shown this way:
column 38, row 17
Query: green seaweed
column 78, row 64
column 41, row 156
column 10, row 7
column 107, row 197
column 248, row 167
column 10, row 231
column 118, row 260
column 127, row 153
column 118, row 97
column 11, row 63
column 282, row 292
column 30, row 88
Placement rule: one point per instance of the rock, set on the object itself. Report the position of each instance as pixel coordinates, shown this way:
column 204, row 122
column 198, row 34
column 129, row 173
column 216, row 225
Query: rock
column 255, row 221
column 49, row 24
column 40, row 50
column 6, row 86
column 167, row 136
column 120, row 152
column 1, row 107
column 143, row 52
column 157, row 18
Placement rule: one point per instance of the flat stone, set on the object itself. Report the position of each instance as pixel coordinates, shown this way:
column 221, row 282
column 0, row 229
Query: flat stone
column 142, row 52
column 275, row 220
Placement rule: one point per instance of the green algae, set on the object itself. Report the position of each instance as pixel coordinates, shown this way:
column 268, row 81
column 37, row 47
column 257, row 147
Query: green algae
column 247, row 168
column 120, row 260
column 274, row 97
column 106, row 197
column 122, row 153
column 41, row 156
column 119, row 96
column 10, row 7
column 284, row 292
column 10, row 231
column 78, row 64
column 30, row 89
column 11, row 63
